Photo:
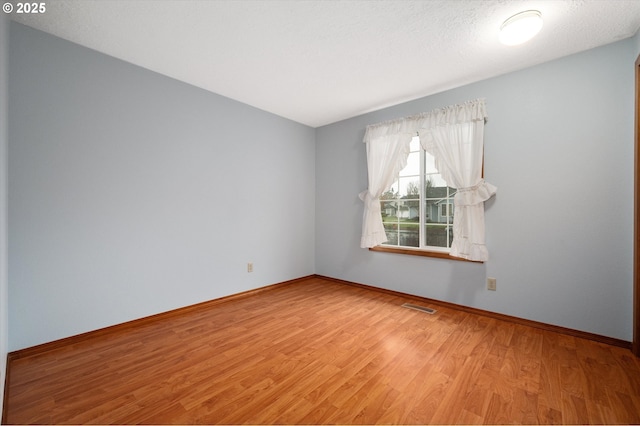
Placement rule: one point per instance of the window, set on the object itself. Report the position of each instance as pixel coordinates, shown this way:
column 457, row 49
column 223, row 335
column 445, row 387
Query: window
column 446, row 209
column 406, row 205
column 417, row 211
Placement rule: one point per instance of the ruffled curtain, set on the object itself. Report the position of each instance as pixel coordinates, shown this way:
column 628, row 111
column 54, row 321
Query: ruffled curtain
column 456, row 140
column 455, row 137
column 386, row 156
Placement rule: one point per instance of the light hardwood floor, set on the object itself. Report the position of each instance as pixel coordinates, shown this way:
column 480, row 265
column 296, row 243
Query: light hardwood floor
column 321, row 352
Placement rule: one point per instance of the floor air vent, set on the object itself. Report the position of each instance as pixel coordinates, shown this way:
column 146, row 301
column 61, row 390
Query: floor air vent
column 419, row 308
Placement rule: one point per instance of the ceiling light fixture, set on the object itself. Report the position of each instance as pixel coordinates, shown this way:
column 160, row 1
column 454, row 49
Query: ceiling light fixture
column 520, row 27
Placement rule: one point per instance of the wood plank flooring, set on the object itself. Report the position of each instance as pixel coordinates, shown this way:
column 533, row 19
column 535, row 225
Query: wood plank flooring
column 321, row 352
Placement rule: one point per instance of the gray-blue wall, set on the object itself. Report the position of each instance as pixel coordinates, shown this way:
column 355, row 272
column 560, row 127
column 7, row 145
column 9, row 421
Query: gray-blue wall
column 559, row 147
column 132, row 194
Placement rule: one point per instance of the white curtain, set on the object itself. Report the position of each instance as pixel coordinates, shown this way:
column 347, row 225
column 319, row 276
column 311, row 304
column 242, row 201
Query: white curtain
column 455, row 137
column 386, row 156
column 456, row 140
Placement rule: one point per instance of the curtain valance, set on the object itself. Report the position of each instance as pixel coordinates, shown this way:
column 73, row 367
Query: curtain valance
column 455, row 114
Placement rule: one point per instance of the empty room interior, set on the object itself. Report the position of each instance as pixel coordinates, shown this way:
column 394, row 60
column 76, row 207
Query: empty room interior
column 319, row 212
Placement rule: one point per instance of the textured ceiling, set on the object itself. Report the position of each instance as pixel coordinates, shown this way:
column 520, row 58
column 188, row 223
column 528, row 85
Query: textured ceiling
column 321, row 61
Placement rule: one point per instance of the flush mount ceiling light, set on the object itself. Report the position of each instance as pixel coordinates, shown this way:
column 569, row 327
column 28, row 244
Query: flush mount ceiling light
column 520, row 27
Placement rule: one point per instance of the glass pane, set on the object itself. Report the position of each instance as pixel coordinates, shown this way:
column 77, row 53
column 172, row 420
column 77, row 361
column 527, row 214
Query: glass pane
column 391, row 230
column 432, row 212
column 391, row 193
column 437, row 235
column 435, row 187
column 403, row 210
column 409, row 234
column 408, row 210
column 389, row 210
column 434, row 181
column 446, row 210
column 409, row 187
column 413, row 165
column 429, row 164
column 439, row 211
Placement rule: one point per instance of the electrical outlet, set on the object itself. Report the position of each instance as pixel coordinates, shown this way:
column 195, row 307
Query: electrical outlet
column 491, row 284
column 249, row 267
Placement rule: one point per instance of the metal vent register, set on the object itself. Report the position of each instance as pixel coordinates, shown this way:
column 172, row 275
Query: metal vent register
column 419, row 308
